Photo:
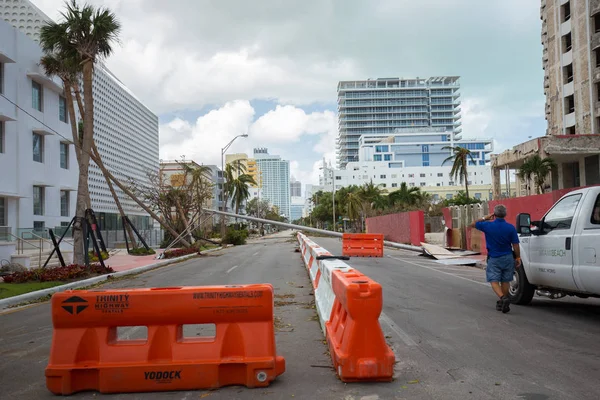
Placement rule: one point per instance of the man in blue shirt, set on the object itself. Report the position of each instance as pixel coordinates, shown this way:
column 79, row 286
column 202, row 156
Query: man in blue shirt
column 502, row 240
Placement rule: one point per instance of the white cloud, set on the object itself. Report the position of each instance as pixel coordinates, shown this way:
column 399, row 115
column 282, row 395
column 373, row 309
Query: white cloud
column 203, row 140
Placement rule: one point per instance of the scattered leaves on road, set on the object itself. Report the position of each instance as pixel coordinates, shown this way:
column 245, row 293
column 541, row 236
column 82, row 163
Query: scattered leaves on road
column 413, row 382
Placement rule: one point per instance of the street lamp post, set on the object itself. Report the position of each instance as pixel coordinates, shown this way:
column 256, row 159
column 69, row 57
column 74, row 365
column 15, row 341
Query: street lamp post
column 223, row 150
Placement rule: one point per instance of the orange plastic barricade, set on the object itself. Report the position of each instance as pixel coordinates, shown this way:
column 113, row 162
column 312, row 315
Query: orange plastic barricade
column 87, row 354
column 357, row 345
column 362, row 245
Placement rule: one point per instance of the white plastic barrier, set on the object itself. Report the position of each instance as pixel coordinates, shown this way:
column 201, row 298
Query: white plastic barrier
column 320, row 275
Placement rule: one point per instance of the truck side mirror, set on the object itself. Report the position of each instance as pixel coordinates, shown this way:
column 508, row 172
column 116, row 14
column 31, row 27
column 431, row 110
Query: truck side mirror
column 524, row 224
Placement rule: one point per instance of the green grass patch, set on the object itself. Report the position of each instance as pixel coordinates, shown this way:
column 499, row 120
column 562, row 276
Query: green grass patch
column 15, row 289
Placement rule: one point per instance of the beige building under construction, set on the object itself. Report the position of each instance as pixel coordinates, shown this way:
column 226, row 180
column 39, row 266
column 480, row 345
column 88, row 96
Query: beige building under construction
column 571, row 62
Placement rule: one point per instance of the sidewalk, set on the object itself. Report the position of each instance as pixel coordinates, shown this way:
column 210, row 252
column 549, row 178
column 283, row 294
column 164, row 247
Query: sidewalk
column 121, row 261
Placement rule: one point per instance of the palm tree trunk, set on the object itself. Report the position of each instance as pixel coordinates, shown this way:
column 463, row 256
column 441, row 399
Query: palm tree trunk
column 129, row 193
column 114, row 195
column 84, row 163
column 466, row 177
column 101, row 166
column 72, row 119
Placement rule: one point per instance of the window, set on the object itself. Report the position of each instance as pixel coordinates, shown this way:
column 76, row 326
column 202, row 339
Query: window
column 394, row 176
column 561, row 215
column 438, row 184
column 64, row 203
column 594, row 220
column 377, row 157
column 412, row 184
column 568, row 74
column 38, row 226
column 436, row 196
column 382, row 149
column 382, row 176
column 38, row 200
column 62, row 109
column 338, row 178
column 387, row 157
column 423, row 184
column 565, row 12
column 38, row 148
column 396, row 185
column 449, row 196
column 64, row 155
column 597, row 53
column 2, row 211
column 440, row 174
column 451, row 183
column 597, row 23
column 383, row 185
column 36, row 95
column 1, row 137
column 422, row 175
column 411, row 175
column 571, row 130
column 566, row 41
column 478, row 195
column 569, row 104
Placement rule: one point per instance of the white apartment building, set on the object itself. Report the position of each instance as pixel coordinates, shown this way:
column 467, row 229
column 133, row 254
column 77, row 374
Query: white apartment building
column 38, row 168
column 126, row 131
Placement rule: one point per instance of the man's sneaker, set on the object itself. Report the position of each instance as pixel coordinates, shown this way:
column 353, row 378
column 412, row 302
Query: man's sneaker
column 499, row 305
column 505, row 304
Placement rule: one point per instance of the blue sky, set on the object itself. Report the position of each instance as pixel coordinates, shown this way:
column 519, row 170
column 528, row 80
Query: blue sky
column 213, row 70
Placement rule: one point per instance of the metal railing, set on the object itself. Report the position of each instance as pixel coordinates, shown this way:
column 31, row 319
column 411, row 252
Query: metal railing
column 21, row 247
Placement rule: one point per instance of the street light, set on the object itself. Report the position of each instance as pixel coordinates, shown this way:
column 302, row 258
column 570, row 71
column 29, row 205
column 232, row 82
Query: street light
column 223, row 150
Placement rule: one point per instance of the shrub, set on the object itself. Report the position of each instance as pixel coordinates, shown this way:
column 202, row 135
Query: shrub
column 94, row 258
column 174, row 253
column 141, row 251
column 235, row 237
column 67, row 273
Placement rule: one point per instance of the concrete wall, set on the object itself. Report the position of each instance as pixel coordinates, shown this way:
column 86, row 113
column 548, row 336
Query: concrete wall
column 408, row 227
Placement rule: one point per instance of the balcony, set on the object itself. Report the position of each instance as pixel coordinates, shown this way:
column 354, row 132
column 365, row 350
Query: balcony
column 565, row 27
column 568, row 89
column 570, row 120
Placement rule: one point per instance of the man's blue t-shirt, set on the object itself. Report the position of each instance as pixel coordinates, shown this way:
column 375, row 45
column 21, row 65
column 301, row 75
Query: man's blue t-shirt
column 499, row 236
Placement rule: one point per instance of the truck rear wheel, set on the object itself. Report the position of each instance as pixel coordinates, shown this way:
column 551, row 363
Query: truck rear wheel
column 521, row 291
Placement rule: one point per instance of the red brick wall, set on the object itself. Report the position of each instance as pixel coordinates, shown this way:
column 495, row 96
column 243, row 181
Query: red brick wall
column 408, row 227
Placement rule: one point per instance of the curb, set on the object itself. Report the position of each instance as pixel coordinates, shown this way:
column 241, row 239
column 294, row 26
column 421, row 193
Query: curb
column 31, row 296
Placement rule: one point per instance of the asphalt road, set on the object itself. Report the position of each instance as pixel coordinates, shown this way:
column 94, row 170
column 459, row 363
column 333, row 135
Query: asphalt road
column 449, row 341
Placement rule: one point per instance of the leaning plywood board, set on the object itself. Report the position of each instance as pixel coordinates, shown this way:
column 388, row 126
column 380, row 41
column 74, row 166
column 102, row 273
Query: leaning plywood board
column 439, row 252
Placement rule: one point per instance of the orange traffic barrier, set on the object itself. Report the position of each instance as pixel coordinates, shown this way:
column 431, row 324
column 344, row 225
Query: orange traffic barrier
column 362, row 245
column 356, row 342
column 88, row 354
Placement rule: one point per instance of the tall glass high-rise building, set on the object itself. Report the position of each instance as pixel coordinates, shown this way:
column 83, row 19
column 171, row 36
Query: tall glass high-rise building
column 275, row 176
column 380, row 106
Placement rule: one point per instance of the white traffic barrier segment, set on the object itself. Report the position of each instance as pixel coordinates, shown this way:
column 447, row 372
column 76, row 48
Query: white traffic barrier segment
column 320, row 274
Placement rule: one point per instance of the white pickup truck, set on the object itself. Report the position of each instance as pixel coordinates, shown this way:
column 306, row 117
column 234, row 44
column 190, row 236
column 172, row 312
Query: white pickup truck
column 560, row 253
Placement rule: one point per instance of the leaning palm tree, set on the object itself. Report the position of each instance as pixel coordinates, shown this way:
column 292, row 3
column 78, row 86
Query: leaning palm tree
column 461, row 158
column 85, row 33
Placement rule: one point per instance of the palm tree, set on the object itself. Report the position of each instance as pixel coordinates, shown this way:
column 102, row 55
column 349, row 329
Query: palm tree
column 404, row 196
column 461, row 158
column 87, row 34
column 537, row 167
column 353, row 206
column 241, row 190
